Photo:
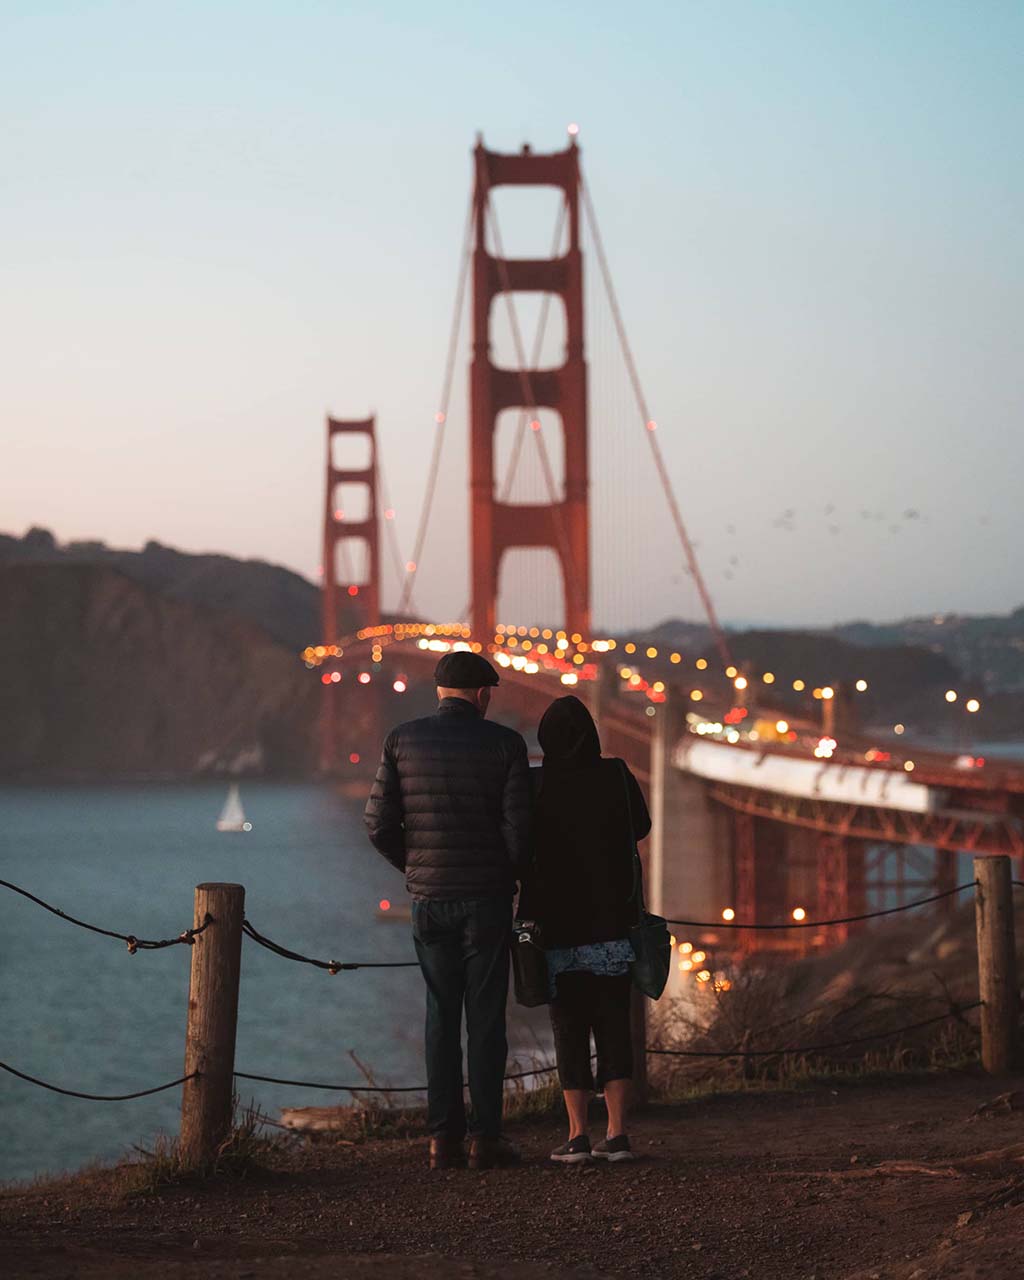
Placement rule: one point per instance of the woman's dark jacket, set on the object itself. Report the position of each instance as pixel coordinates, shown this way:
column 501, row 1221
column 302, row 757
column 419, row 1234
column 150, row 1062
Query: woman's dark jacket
column 589, row 814
column 450, row 805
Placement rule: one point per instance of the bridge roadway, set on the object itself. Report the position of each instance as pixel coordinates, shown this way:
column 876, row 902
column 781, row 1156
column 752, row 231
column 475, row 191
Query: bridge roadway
column 743, row 821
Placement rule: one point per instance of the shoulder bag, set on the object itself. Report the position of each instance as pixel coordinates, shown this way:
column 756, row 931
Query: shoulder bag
column 649, row 936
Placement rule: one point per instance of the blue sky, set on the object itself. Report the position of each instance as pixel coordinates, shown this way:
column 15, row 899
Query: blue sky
column 218, row 221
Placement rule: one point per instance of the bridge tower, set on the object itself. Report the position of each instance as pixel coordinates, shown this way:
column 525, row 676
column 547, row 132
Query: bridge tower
column 362, row 599
column 563, row 524
column 363, row 596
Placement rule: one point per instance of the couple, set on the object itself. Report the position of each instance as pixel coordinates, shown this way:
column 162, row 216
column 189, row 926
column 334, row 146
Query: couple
column 453, row 806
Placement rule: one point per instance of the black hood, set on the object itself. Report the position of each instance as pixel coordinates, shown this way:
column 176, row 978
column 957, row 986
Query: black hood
column 568, row 735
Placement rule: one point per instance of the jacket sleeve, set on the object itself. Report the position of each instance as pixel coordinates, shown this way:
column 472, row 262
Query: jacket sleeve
column 384, row 815
column 517, row 810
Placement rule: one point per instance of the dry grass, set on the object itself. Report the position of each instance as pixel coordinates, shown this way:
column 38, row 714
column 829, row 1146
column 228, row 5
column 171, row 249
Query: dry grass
column 246, row 1150
column 759, row 1013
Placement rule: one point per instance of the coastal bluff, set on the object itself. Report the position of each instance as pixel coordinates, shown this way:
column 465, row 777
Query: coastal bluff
column 102, row 676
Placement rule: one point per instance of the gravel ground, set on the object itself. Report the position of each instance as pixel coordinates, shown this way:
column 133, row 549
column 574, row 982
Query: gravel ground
column 872, row 1182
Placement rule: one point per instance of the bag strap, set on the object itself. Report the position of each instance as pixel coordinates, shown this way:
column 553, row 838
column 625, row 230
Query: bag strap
column 637, row 894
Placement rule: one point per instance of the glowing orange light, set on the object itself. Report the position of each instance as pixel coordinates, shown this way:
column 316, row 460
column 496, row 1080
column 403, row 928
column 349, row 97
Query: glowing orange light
column 799, row 913
column 728, row 914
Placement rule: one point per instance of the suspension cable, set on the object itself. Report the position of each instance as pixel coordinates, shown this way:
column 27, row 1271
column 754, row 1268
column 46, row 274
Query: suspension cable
column 659, row 461
column 441, row 417
column 392, row 534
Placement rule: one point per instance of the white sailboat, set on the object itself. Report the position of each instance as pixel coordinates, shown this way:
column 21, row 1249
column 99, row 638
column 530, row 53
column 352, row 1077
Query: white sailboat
column 232, row 816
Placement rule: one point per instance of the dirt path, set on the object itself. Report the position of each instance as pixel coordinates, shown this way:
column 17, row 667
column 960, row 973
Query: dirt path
column 793, row 1185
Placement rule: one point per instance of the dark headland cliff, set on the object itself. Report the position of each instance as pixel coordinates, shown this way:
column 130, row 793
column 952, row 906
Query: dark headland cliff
column 163, row 663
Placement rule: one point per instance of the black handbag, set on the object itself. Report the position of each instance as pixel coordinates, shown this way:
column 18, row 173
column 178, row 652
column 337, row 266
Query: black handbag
column 529, row 965
column 649, row 937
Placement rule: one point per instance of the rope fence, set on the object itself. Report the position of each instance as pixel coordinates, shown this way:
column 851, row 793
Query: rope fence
column 94, row 1097
column 213, row 1001
column 827, row 924
column 332, row 966
column 802, row 1050
column 187, row 936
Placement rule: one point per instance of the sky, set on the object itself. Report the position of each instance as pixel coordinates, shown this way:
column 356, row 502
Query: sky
column 220, row 221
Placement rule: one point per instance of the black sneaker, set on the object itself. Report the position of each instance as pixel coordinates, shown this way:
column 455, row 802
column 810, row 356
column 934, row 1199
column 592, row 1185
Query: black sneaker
column 575, row 1151
column 614, row 1149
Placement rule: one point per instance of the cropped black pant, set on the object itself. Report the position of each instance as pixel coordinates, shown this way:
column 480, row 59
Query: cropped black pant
column 586, row 1003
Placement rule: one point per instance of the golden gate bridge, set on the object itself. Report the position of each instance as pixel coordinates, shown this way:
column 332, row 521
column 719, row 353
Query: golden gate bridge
column 768, row 798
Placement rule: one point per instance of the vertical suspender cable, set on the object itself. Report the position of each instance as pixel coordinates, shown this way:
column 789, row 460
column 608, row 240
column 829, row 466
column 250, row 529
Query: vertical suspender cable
column 442, row 415
column 659, row 461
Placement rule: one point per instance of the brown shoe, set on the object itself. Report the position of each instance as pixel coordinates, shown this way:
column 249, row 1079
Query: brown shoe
column 492, row 1153
column 447, row 1153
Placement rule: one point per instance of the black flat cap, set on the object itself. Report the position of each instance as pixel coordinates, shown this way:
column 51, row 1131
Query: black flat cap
column 463, row 670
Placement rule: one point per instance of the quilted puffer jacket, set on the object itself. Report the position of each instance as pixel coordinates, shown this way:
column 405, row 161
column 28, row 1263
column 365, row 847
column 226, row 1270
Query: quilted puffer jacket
column 451, row 804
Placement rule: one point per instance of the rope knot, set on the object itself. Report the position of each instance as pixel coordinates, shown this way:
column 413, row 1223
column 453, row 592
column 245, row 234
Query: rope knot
column 133, row 944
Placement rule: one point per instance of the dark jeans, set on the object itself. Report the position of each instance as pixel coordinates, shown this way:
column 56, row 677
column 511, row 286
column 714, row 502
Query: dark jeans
column 463, row 950
column 586, row 1002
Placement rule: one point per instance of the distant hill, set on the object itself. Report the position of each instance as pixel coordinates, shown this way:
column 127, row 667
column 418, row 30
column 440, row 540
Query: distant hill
column 165, row 662
column 986, row 647
column 103, row 676
column 281, row 602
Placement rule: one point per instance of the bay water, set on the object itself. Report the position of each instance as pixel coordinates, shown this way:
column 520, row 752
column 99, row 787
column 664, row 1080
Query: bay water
column 80, row 1012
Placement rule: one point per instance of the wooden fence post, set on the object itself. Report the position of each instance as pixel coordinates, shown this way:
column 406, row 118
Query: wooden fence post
column 212, row 1019
column 638, row 1029
column 997, row 963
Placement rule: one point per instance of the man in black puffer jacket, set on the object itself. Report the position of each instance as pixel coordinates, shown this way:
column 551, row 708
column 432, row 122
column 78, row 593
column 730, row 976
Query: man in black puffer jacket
column 451, row 807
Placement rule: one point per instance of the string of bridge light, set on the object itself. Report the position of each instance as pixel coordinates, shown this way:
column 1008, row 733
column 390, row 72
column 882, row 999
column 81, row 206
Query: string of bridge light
column 545, row 647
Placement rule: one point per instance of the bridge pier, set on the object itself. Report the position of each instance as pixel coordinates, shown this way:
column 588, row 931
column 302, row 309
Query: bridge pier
column 689, row 872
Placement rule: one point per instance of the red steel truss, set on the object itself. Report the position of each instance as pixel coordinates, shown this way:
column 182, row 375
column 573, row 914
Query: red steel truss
column 956, row 831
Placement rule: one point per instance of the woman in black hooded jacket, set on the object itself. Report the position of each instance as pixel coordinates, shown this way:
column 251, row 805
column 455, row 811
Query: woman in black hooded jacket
column 590, row 813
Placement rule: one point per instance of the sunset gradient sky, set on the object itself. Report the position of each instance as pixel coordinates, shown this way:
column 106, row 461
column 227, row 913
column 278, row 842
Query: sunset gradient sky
column 221, row 220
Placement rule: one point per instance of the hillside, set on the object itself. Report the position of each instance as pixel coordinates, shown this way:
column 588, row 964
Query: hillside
column 284, row 604
column 101, row 676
